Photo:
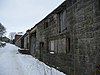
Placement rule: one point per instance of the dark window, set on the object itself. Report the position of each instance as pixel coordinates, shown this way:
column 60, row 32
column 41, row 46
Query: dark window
column 41, row 44
column 99, row 4
column 45, row 25
column 62, row 26
column 41, row 50
column 68, row 45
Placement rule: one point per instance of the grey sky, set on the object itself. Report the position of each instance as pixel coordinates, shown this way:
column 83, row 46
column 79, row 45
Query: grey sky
column 20, row 15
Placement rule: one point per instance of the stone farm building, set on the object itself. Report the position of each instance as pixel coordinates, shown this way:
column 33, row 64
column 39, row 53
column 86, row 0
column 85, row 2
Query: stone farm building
column 68, row 38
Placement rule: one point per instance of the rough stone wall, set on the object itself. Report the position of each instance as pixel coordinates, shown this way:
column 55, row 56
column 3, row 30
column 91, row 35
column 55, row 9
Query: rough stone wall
column 84, row 27
column 26, row 41
column 45, row 35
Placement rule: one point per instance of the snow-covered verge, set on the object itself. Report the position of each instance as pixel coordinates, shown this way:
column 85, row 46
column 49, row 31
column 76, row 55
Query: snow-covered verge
column 14, row 63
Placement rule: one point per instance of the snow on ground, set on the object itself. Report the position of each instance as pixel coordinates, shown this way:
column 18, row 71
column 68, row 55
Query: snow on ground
column 14, row 63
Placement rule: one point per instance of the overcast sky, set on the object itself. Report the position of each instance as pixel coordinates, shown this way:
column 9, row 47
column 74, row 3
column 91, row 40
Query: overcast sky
column 20, row 15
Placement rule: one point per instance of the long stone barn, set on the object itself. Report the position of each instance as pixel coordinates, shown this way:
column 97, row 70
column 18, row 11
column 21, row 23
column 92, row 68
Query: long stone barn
column 68, row 38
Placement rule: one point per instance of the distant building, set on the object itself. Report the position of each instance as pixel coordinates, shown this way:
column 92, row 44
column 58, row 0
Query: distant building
column 22, row 41
column 5, row 39
column 17, row 37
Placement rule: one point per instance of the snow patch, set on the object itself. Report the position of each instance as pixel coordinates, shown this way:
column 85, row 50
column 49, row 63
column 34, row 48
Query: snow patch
column 14, row 63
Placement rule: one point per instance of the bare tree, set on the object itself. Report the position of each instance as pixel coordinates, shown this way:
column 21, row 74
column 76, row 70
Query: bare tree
column 12, row 35
column 2, row 30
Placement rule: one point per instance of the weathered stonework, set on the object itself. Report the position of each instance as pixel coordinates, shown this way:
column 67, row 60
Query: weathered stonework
column 84, row 33
column 82, row 21
column 53, row 33
column 69, row 37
